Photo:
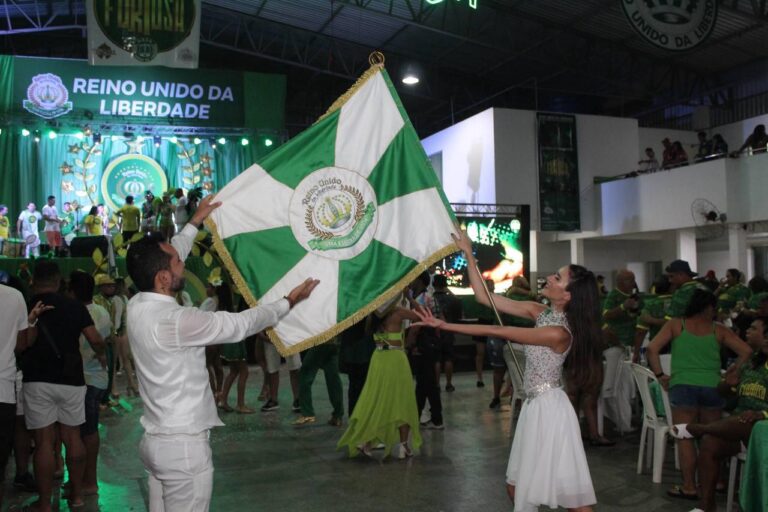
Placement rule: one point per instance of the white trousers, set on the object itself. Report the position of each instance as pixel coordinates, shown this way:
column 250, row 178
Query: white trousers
column 180, row 471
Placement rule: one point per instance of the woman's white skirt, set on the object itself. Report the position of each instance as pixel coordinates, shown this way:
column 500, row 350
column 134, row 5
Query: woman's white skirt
column 547, row 464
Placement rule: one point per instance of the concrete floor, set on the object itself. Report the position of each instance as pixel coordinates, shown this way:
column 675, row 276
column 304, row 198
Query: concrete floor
column 265, row 464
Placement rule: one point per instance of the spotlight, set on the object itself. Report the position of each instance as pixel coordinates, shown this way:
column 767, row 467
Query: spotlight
column 79, row 135
column 52, row 134
column 268, row 142
column 212, row 142
column 97, row 138
column 36, row 134
column 244, row 141
column 222, row 141
column 173, row 140
column 157, row 140
column 24, row 132
column 410, row 80
column 197, row 140
column 87, row 130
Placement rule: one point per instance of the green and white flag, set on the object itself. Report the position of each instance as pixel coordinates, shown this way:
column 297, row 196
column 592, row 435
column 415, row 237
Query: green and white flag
column 351, row 201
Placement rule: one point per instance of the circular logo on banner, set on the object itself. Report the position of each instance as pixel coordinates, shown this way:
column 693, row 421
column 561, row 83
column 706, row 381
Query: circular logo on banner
column 144, row 32
column 333, row 213
column 47, row 97
column 676, row 26
column 131, row 175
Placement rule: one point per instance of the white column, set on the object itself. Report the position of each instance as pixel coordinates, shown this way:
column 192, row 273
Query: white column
column 685, row 247
column 577, row 251
column 737, row 248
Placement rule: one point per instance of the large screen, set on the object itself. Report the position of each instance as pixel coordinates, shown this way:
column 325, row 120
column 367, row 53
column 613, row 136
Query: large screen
column 501, row 247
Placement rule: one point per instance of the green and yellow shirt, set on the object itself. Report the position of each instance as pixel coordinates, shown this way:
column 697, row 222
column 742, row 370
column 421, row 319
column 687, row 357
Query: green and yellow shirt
column 727, row 300
column 681, row 298
column 623, row 326
column 752, row 389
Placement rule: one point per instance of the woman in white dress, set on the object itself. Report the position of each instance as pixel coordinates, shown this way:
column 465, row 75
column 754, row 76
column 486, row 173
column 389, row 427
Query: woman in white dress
column 547, row 464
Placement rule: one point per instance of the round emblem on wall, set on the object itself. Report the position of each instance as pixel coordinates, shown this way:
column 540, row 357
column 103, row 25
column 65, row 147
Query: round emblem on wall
column 677, row 25
column 131, row 175
column 333, row 213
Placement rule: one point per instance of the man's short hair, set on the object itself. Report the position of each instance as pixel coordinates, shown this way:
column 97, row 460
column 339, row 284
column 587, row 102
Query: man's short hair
column 81, row 284
column 145, row 259
column 46, row 272
column 129, row 199
column 51, row 197
column 649, row 149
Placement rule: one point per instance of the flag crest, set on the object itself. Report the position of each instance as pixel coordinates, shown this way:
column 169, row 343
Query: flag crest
column 352, row 201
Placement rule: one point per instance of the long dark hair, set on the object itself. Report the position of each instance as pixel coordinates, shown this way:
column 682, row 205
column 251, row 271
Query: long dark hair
column 583, row 366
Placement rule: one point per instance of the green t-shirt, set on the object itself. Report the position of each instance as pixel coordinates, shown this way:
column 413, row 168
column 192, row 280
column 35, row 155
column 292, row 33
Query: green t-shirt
column 623, row 326
column 727, row 300
column 655, row 306
column 131, row 217
column 752, row 389
column 68, row 223
column 682, row 297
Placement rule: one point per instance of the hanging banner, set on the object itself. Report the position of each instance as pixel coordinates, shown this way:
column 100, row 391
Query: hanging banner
column 66, row 89
column 144, row 33
column 558, row 173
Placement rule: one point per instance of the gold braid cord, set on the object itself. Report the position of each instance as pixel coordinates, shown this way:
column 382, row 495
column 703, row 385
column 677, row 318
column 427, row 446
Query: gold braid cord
column 376, row 60
column 345, row 324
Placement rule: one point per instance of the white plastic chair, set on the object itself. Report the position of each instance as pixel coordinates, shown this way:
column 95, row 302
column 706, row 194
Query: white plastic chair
column 518, row 391
column 736, row 460
column 611, row 390
column 661, row 427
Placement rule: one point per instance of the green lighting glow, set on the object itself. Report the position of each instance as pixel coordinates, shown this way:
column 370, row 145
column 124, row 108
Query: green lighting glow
column 244, row 141
column 268, row 142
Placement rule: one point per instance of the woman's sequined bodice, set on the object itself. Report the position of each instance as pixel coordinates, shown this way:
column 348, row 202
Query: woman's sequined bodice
column 543, row 367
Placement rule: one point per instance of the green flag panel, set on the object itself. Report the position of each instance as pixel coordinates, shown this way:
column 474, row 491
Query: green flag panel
column 312, row 149
column 368, row 275
column 264, row 257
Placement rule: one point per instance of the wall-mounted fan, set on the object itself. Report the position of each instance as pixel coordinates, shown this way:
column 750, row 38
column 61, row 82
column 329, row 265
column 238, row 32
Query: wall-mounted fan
column 710, row 222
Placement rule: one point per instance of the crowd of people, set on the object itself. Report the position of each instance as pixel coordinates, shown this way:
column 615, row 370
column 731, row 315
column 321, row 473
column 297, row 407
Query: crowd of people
column 394, row 360
column 707, row 148
column 166, row 214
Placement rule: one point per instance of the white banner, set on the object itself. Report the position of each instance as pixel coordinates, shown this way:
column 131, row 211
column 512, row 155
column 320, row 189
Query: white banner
column 144, row 33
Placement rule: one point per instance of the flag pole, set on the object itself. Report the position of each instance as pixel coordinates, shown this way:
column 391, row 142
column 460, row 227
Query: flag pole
column 498, row 319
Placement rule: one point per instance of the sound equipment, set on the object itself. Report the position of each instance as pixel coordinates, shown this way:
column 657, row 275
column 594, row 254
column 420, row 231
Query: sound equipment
column 83, row 246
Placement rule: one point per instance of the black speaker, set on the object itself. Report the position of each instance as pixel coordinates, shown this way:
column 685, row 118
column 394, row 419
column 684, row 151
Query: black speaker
column 83, row 246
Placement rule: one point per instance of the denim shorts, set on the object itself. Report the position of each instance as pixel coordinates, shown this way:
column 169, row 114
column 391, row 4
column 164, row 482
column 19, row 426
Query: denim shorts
column 93, row 396
column 695, row 397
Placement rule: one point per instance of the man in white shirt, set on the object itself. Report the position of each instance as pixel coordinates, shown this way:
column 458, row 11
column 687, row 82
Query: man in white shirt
column 14, row 336
column 28, row 230
column 168, row 343
column 52, row 225
column 180, row 215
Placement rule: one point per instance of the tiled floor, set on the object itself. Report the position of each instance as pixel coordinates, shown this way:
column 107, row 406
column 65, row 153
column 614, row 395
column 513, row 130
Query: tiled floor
column 265, row 464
